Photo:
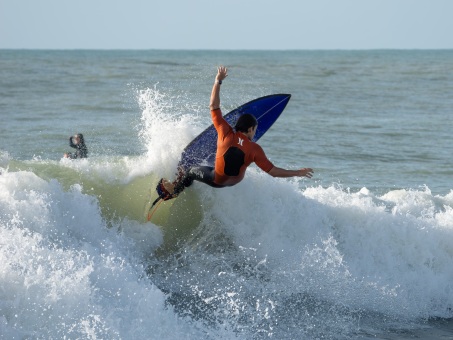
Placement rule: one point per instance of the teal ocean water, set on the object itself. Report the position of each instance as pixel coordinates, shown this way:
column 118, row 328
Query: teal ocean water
column 363, row 250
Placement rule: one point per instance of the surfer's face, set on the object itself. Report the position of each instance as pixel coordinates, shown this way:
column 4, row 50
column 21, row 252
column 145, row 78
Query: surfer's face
column 75, row 140
column 251, row 132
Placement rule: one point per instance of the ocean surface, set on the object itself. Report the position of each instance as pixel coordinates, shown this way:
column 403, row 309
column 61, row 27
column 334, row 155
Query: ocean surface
column 363, row 250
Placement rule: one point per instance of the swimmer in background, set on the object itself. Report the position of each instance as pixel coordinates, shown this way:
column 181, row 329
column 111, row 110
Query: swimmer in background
column 77, row 142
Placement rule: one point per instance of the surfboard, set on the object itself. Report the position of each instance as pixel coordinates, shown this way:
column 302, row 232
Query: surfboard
column 202, row 150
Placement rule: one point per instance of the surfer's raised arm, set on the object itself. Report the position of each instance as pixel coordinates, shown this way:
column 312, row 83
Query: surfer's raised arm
column 222, row 73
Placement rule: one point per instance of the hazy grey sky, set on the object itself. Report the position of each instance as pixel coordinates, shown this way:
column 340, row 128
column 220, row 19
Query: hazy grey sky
column 226, row 24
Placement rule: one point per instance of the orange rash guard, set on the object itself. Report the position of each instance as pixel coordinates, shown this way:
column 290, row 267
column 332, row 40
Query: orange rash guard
column 235, row 152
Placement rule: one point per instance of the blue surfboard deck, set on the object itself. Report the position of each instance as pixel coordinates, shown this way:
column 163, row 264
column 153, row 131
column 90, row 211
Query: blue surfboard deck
column 267, row 109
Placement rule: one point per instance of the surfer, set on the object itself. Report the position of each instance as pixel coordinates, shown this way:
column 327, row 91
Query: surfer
column 235, row 152
column 77, row 142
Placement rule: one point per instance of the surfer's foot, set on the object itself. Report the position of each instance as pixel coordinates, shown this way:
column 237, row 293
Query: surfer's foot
column 169, row 186
column 165, row 189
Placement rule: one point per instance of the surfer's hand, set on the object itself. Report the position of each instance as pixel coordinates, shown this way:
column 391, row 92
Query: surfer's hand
column 222, row 73
column 306, row 172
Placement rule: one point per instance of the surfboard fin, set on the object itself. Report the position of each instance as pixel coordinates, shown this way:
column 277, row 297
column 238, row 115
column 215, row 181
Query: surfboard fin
column 163, row 194
column 150, row 212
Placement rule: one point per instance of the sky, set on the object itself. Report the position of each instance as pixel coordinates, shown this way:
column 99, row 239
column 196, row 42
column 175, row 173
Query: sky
column 226, row 24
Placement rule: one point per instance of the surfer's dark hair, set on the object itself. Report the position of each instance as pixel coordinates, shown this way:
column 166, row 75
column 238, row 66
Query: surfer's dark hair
column 245, row 122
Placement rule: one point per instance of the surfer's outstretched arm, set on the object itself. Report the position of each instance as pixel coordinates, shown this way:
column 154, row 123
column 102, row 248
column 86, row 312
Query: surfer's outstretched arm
column 222, row 73
column 279, row 172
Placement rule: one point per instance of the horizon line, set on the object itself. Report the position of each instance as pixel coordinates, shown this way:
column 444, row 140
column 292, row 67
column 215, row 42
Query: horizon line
column 225, row 49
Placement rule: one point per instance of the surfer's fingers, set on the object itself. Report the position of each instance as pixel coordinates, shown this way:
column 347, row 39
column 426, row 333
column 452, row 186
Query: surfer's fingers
column 222, row 69
column 307, row 172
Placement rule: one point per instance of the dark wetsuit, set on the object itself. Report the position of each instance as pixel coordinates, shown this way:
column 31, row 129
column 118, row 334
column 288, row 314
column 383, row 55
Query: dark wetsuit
column 81, row 149
column 235, row 152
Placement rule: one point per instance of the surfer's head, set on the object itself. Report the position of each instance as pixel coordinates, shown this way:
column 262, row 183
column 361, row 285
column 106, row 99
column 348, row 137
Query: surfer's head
column 245, row 122
column 77, row 139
